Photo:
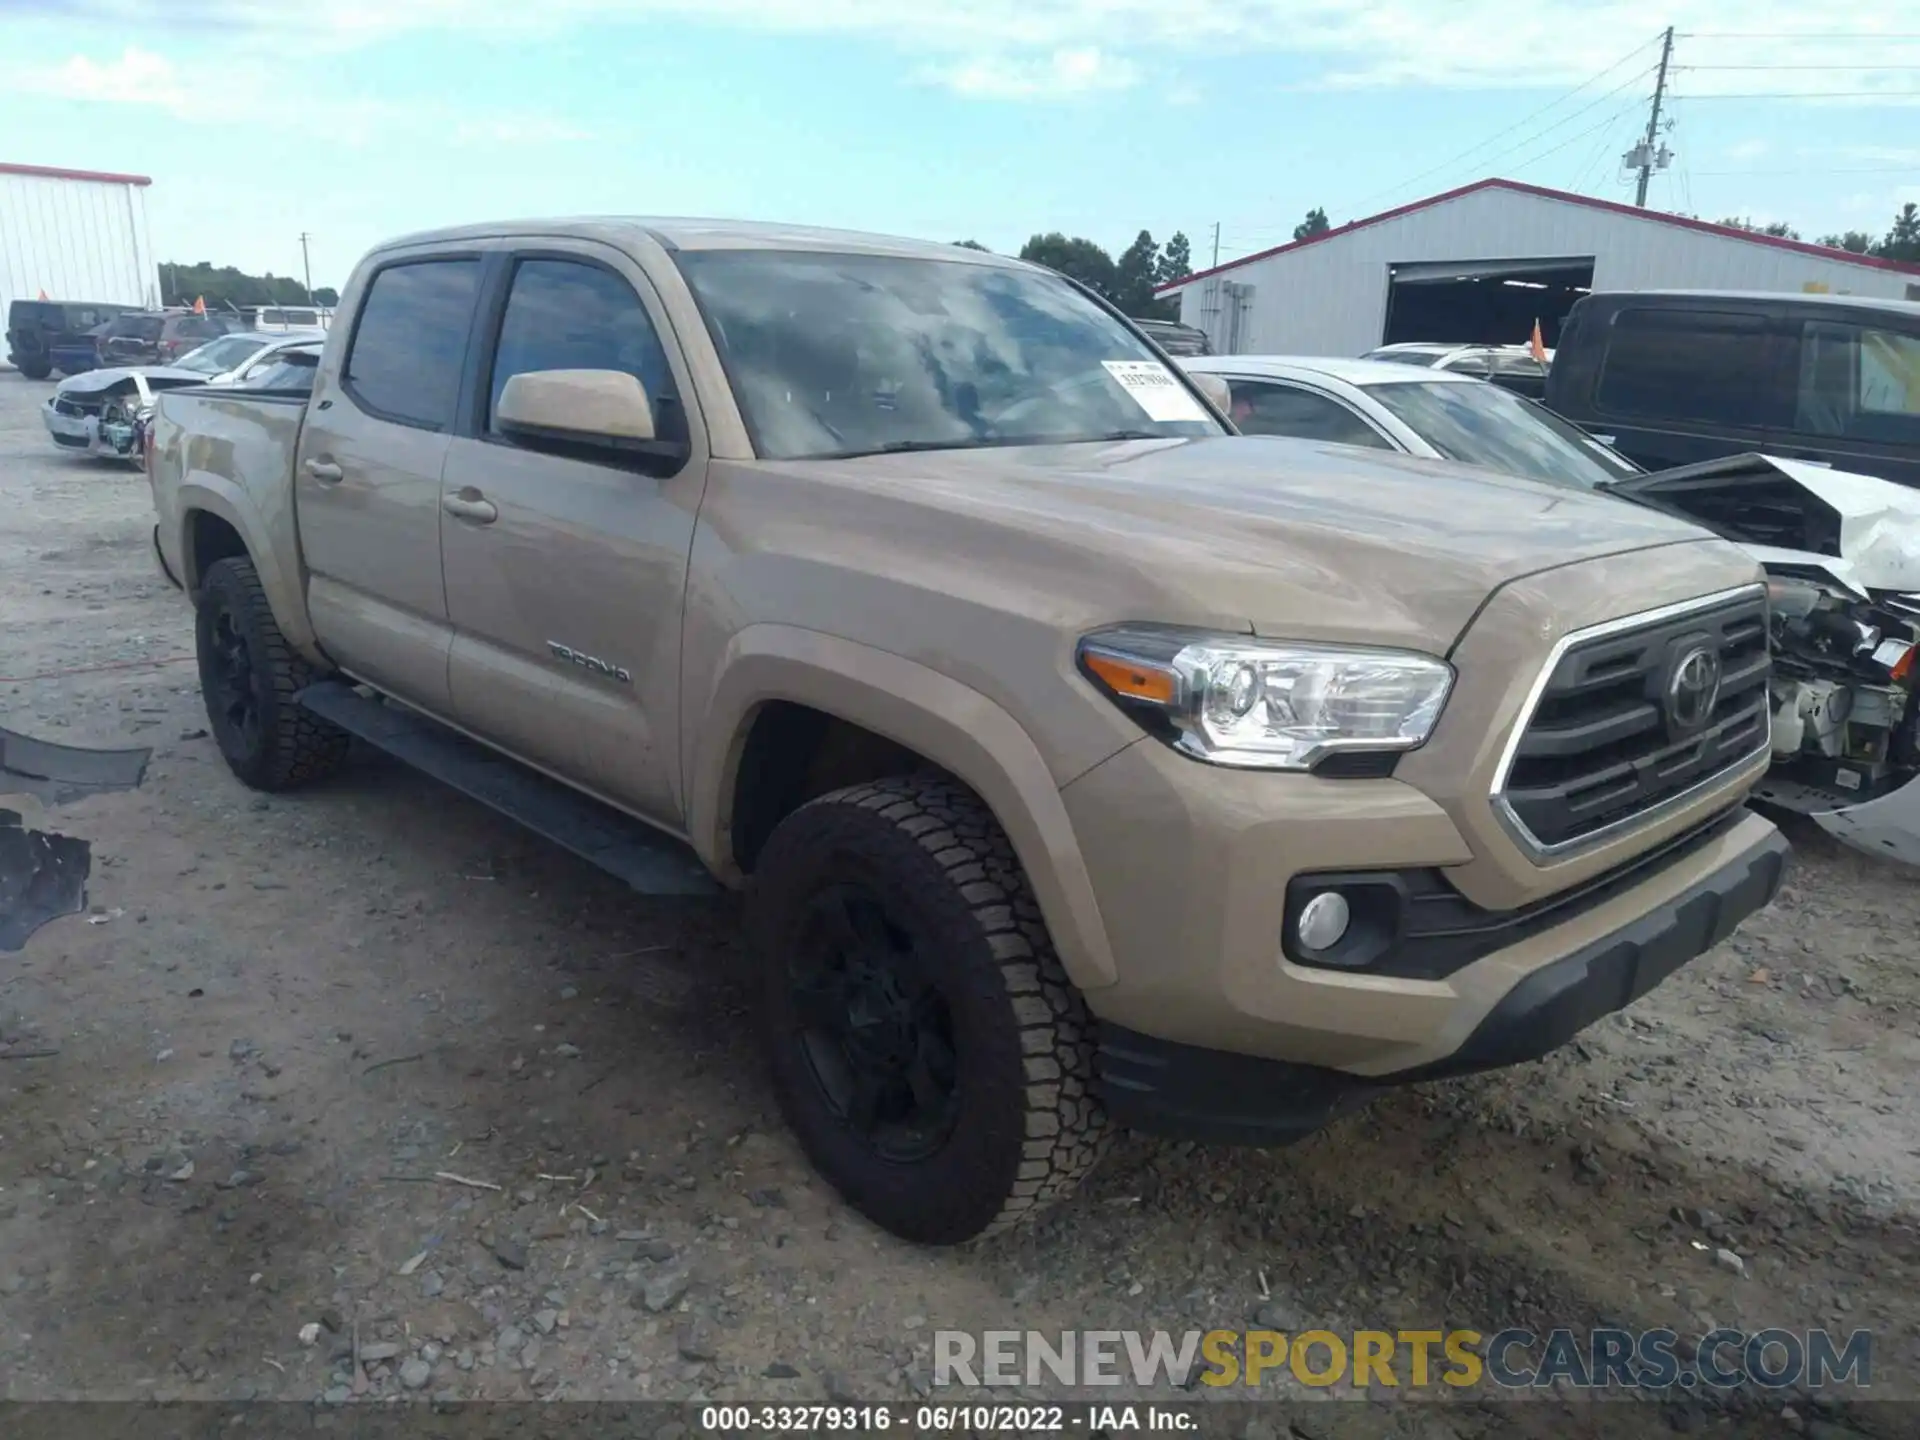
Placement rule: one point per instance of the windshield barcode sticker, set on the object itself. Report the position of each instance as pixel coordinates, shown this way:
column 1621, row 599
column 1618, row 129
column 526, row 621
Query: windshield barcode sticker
column 1155, row 390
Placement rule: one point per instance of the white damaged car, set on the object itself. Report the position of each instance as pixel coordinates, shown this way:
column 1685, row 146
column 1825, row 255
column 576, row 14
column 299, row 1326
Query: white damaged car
column 1842, row 554
column 96, row 413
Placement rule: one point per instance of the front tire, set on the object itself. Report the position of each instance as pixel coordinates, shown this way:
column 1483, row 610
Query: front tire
column 927, row 1047
column 249, row 675
column 36, row 369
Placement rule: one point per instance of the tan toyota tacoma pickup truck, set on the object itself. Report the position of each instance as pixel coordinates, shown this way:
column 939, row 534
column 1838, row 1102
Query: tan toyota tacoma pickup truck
column 1082, row 763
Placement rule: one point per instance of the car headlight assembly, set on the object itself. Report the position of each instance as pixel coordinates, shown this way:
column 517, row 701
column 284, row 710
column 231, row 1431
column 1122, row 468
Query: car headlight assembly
column 1263, row 704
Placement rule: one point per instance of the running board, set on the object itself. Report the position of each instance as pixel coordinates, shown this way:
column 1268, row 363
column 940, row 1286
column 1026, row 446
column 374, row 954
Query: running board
column 647, row 859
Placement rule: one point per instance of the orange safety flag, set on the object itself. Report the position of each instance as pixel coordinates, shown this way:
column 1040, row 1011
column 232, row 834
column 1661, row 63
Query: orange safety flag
column 43, row 294
column 1536, row 345
column 200, row 307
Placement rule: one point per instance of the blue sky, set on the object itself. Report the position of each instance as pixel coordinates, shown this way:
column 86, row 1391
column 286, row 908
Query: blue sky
column 359, row 119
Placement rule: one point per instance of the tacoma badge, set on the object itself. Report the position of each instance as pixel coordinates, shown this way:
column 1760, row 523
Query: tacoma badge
column 588, row 662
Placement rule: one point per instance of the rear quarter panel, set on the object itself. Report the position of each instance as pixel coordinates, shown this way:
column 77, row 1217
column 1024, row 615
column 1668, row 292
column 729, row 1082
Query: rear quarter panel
column 231, row 456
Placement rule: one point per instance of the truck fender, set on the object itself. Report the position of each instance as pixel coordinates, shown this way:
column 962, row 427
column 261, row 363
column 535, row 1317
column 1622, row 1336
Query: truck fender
column 279, row 574
column 951, row 724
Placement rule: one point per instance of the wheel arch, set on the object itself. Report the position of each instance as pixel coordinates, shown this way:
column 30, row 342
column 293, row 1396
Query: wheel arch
column 931, row 718
column 214, row 507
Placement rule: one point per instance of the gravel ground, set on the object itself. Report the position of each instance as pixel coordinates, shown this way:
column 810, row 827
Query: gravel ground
column 285, row 1026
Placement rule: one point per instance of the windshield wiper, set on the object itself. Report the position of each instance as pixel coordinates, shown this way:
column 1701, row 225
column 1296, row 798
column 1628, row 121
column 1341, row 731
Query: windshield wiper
column 904, row 447
column 986, row 442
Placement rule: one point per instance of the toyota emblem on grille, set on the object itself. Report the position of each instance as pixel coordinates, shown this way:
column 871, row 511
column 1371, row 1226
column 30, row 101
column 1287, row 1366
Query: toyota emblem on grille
column 1694, row 689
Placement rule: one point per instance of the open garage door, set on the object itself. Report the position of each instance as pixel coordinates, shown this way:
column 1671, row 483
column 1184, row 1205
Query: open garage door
column 1483, row 302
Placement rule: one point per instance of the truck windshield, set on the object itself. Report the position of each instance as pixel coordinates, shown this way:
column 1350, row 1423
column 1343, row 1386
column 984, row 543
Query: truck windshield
column 1482, row 424
column 835, row 355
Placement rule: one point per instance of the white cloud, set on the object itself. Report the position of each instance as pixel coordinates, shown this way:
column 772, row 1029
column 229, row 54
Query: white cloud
column 144, row 79
column 1749, row 150
column 137, row 77
column 1061, row 74
column 1014, row 49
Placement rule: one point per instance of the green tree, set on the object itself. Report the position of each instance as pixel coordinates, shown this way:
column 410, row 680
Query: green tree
column 326, row 295
column 1316, row 223
column 225, row 288
column 1135, row 275
column 1857, row 242
column 1077, row 258
column 1903, row 240
column 1176, row 260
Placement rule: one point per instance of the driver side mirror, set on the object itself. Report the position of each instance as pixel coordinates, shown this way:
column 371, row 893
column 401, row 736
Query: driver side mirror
column 1215, row 388
column 592, row 407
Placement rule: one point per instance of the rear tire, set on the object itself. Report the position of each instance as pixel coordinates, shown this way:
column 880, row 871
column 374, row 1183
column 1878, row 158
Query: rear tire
column 36, row 369
column 927, row 1047
column 249, row 675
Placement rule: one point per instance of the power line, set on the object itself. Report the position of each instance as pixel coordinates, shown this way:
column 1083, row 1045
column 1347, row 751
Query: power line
column 1796, row 35
column 1809, row 95
column 1856, row 65
column 1524, row 121
column 1612, row 120
column 1828, row 170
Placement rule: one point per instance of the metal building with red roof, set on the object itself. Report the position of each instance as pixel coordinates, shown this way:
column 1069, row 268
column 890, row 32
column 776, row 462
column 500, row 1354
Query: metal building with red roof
column 75, row 235
column 1481, row 263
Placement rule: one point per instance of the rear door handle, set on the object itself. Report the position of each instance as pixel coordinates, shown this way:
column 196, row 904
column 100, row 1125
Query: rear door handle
column 469, row 504
column 325, row 471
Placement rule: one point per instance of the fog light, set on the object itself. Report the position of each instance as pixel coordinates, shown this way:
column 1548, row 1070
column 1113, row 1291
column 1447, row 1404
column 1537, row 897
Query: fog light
column 1323, row 920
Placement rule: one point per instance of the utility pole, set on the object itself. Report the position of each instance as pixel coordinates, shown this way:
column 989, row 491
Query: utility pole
column 306, row 264
column 1649, row 153
column 1216, row 244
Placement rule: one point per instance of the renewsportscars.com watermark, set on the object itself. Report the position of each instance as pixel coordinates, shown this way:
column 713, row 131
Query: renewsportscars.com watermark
column 1414, row 1359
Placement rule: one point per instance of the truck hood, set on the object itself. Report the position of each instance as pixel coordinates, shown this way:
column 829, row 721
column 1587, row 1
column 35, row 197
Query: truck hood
column 1276, row 532
column 1773, row 505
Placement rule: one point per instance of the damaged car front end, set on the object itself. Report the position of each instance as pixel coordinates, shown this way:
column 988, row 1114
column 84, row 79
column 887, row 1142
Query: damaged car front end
column 1842, row 555
column 100, row 412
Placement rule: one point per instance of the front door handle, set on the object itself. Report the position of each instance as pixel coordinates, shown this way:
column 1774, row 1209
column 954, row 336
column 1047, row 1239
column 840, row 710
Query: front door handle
column 325, row 471
column 469, row 504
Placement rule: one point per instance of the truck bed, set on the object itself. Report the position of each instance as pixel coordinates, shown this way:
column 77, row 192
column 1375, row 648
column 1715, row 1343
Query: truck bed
column 229, row 453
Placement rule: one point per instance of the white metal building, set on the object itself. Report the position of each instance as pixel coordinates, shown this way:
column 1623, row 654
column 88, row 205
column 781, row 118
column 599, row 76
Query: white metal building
column 76, row 235
column 1480, row 264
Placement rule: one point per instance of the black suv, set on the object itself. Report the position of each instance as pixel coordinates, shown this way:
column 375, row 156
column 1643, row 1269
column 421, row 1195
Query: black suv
column 159, row 337
column 1671, row 377
column 1174, row 338
column 36, row 327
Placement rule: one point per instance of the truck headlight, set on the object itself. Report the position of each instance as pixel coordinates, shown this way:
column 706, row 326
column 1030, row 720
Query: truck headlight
column 1260, row 704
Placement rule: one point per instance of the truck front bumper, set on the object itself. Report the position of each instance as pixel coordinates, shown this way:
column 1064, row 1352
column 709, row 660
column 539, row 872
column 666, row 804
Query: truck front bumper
column 1203, row 874
column 1226, row 1098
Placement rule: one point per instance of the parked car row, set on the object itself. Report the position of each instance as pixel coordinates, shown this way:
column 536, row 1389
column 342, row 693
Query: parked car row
column 101, row 412
column 48, row 337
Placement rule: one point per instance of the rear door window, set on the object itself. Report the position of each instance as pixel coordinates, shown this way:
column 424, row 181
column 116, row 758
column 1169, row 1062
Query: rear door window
column 411, row 341
column 1859, row 382
column 1704, row 367
column 1269, row 408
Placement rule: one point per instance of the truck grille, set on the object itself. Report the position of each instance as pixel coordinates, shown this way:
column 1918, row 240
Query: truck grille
column 1626, row 721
